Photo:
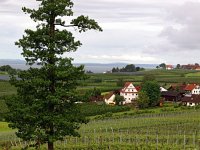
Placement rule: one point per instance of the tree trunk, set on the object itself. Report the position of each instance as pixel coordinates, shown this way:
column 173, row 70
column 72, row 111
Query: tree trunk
column 50, row 146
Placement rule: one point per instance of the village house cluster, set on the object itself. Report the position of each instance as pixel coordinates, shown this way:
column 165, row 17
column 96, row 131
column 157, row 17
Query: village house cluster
column 187, row 94
column 195, row 66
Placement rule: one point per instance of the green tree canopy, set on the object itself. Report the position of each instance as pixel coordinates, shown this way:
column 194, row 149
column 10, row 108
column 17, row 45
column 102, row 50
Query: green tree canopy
column 127, row 68
column 119, row 99
column 152, row 89
column 8, row 69
column 178, row 66
column 44, row 108
column 130, row 68
column 162, row 65
column 143, row 100
column 92, row 93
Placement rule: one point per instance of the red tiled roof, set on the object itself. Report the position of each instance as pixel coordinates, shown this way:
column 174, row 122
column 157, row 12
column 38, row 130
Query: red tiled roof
column 189, row 66
column 177, row 87
column 127, row 84
column 138, row 88
column 169, row 66
column 109, row 95
column 190, row 87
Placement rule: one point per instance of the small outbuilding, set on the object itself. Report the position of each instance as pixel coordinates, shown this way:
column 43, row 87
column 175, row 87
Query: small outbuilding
column 110, row 98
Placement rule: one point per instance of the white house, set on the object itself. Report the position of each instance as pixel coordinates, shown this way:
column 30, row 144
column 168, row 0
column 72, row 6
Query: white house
column 193, row 89
column 110, row 98
column 196, row 90
column 129, row 92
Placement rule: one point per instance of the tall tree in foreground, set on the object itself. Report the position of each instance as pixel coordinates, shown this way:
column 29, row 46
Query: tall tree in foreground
column 43, row 109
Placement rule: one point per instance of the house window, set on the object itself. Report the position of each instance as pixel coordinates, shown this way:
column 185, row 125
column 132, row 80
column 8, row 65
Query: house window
column 126, row 94
column 132, row 94
column 136, row 94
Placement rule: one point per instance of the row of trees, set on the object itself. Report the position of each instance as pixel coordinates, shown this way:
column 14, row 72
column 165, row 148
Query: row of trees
column 9, row 69
column 127, row 68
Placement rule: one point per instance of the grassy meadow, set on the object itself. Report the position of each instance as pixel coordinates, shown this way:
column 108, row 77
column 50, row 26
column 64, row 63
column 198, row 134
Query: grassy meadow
column 114, row 127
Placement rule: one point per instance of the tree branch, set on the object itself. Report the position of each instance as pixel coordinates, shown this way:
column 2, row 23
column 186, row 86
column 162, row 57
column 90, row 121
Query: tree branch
column 56, row 24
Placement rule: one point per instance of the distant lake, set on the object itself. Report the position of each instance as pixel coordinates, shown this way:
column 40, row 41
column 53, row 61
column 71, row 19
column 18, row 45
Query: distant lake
column 4, row 77
column 94, row 67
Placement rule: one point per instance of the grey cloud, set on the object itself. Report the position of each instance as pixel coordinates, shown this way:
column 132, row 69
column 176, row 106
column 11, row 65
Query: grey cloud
column 131, row 27
column 121, row 10
column 185, row 30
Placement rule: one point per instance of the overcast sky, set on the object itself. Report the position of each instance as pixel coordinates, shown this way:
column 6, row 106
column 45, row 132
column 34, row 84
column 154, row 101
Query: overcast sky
column 135, row 31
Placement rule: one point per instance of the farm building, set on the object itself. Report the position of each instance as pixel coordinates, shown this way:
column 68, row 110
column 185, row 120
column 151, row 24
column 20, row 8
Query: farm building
column 110, row 98
column 190, row 66
column 169, row 67
column 178, row 88
column 129, row 92
column 191, row 100
column 186, row 88
column 173, row 96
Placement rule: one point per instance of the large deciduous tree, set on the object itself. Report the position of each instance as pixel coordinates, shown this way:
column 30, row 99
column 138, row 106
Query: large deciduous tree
column 142, row 100
column 43, row 109
column 152, row 90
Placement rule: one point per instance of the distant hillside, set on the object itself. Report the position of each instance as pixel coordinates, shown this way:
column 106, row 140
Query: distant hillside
column 94, row 67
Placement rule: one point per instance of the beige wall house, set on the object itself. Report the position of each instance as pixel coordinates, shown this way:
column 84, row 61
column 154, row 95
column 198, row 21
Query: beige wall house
column 129, row 92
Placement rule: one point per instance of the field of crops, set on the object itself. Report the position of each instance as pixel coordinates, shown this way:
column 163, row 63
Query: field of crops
column 167, row 130
column 108, row 82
